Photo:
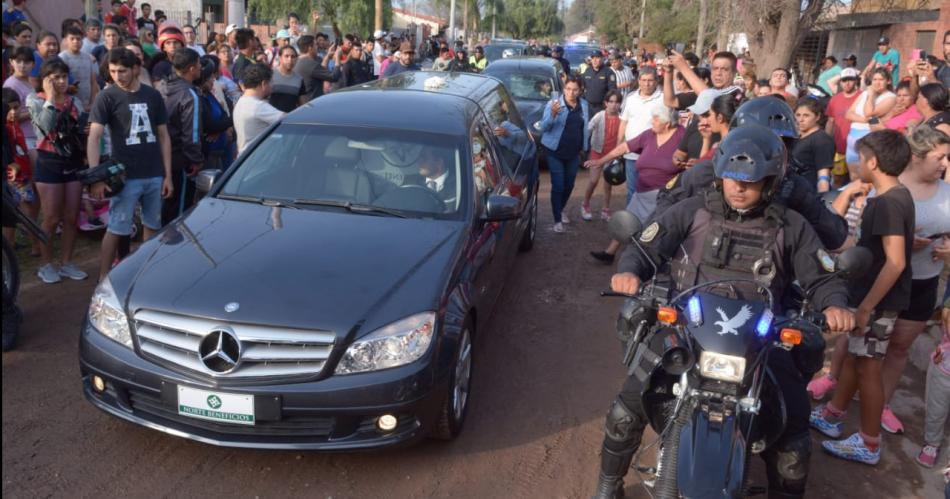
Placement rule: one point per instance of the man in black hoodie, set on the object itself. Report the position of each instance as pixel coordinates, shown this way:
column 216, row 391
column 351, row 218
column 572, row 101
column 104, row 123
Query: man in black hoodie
column 184, row 128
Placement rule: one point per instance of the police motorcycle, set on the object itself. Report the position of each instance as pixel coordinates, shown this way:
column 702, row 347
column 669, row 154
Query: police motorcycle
column 12, row 316
column 707, row 391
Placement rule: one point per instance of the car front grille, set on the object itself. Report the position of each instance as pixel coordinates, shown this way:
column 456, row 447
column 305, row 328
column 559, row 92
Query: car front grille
column 266, row 351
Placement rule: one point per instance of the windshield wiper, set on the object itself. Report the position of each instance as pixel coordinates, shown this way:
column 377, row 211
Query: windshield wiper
column 258, row 200
column 351, row 207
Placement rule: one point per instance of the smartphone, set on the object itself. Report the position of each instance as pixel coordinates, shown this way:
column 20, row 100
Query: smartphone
column 923, row 55
column 873, row 121
column 555, row 95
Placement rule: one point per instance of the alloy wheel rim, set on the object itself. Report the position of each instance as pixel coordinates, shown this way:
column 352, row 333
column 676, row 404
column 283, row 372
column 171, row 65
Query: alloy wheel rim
column 463, row 373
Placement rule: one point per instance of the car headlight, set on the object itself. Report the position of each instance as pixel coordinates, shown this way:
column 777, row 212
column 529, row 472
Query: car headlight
column 106, row 315
column 722, row 367
column 397, row 344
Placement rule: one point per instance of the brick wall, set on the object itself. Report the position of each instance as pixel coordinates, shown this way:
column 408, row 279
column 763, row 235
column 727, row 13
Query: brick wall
column 904, row 36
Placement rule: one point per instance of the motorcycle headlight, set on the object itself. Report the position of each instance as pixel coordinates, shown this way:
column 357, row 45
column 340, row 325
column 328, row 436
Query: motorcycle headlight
column 394, row 345
column 106, row 315
column 722, row 367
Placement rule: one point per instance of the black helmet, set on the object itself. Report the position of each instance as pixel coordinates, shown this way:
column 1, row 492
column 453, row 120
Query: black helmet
column 768, row 111
column 615, row 173
column 752, row 153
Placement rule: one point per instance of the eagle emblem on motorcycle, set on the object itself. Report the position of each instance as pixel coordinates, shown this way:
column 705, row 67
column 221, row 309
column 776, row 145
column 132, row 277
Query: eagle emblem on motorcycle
column 731, row 326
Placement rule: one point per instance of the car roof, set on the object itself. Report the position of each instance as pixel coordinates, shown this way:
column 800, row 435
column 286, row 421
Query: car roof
column 402, row 101
column 523, row 63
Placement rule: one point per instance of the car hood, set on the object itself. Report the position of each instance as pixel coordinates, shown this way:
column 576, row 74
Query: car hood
column 308, row 268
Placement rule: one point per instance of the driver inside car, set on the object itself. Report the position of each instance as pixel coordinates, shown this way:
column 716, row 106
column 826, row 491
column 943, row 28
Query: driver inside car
column 436, row 177
column 736, row 231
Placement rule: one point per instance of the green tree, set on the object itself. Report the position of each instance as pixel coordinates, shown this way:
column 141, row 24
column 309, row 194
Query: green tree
column 579, row 16
column 531, row 18
column 345, row 16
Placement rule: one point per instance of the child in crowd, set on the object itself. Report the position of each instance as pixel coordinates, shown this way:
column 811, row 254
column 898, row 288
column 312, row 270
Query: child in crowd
column 887, row 230
column 19, row 173
column 604, row 128
column 937, row 395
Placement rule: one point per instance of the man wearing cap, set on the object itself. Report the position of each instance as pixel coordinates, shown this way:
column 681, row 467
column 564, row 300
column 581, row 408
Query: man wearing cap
column 170, row 40
column 404, row 63
column 379, row 51
column 283, row 39
column 887, row 58
column 558, row 54
column 598, row 80
column 626, row 81
column 231, row 33
column 478, row 60
column 830, row 74
column 851, row 61
column 838, row 125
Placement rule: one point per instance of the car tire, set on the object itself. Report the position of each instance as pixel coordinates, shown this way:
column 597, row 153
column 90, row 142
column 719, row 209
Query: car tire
column 527, row 239
column 455, row 407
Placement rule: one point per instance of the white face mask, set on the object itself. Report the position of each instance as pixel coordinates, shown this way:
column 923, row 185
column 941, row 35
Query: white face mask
column 477, row 148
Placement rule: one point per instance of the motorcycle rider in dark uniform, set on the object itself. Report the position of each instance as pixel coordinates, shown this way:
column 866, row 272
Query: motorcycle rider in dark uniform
column 720, row 234
column 598, row 80
column 795, row 191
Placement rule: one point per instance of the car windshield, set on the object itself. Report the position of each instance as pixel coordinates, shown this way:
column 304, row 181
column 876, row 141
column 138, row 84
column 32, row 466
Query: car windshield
column 576, row 57
column 360, row 169
column 526, row 86
column 496, row 51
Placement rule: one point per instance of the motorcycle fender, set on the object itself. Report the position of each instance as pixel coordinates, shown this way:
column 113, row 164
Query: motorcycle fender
column 712, row 457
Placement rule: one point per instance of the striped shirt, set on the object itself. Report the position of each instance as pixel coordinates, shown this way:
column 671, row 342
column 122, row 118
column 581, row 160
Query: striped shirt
column 624, row 75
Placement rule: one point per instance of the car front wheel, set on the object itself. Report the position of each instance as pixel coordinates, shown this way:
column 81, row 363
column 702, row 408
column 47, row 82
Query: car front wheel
column 455, row 406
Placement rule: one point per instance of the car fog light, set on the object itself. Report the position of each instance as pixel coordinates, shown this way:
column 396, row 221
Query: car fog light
column 387, row 422
column 98, row 384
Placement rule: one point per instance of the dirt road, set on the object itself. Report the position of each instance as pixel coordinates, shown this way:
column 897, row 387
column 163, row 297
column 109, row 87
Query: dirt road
column 546, row 368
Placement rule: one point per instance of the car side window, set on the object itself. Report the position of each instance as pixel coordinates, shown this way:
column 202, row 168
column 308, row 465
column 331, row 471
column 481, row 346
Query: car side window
column 507, row 126
column 484, row 160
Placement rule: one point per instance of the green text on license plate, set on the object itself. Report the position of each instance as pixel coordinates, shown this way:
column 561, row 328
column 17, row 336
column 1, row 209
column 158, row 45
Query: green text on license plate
column 215, row 406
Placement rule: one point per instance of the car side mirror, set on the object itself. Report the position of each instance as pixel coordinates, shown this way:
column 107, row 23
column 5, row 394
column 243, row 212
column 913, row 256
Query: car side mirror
column 499, row 208
column 623, row 225
column 206, row 180
column 854, row 261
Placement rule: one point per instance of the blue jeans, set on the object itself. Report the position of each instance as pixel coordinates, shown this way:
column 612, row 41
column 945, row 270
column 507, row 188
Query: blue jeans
column 630, row 169
column 563, row 173
column 148, row 192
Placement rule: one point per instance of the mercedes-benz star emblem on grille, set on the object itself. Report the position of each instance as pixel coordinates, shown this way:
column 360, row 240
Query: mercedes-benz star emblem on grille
column 220, row 351
column 232, row 307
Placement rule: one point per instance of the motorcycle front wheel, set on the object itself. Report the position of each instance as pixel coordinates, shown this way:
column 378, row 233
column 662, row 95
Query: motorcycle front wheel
column 11, row 271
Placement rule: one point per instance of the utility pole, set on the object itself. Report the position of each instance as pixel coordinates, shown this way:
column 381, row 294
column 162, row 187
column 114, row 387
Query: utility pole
column 643, row 12
column 451, row 23
column 494, row 13
column 92, row 11
column 378, row 19
column 236, row 12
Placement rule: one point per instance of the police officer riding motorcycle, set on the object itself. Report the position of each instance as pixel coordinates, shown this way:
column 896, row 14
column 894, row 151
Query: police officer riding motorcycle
column 713, row 364
column 793, row 190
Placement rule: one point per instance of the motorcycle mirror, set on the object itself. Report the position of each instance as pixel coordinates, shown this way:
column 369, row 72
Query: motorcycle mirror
column 623, row 225
column 854, row 262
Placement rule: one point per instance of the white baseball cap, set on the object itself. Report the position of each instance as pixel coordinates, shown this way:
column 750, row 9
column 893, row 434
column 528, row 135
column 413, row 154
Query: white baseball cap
column 378, row 34
column 704, row 101
column 229, row 29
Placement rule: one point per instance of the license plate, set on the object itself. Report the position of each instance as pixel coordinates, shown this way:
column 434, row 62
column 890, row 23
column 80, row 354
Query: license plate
column 216, row 406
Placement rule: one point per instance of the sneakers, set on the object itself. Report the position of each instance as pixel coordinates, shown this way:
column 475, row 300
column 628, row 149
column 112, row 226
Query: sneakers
column 48, row 274
column 585, row 214
column 827, row 426
column 852, row 449
column 559, row 228
column 928, row 455
column 890, row 423
column 92, row 224
column 602, row 257
column 605, row 215
column 819, row 387
column 73, row 272
column 564, row 219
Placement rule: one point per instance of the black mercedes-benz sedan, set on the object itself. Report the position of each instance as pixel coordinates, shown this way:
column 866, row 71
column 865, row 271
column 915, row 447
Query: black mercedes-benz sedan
column 327, row 290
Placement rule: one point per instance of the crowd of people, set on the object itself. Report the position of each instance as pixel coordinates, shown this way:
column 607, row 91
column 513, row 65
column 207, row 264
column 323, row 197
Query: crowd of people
column 142, row 91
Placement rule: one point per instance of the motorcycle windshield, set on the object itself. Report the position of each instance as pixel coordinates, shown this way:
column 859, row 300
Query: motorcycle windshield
column 730, row 327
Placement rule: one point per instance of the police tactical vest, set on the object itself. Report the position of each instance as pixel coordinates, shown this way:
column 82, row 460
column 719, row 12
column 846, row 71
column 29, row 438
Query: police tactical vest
column 732, row 247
